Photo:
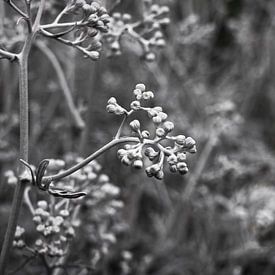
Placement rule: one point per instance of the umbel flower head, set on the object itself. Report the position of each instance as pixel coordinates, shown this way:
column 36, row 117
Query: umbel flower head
column 160, row 145
column 143, row 36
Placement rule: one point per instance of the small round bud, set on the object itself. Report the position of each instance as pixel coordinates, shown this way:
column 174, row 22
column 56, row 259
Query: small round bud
column 135, row 105
column 135, row 125
column 155, row 8
column 19, row 232
column 141, row 87
column 152, row 113
column 190, row 142
column 158, row 35
column 160, row 132
column 163, row 116
column 103, row 178
column 42, row 204
column 193, row 150
column 93, row 18
column 159, row 175
column 64, row 213
column 40, row 227
column 150, row 57
column 125, row 160
column 121, row 153
column 157, row 119
column 180, row 139
column 111, row 108
column 119, row 110
column 138, row 164
column 172, row 159
column 160, row 43
column 116, row 15
column 173, row 168
column 168, row 126
column 181, row 157
column 165, row 21
column 38, row 242
column 145, row 134
column 126, row 17
column 164, row 9
column 37, row 219
column 147, row 95
column 93, row 55
column 112, row 100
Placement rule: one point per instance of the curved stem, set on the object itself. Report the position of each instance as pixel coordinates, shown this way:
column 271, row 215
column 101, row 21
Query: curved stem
column 96, row 154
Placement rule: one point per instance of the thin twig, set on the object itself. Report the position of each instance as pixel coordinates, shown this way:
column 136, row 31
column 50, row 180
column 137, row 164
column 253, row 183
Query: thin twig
column 8, row 55
column 16, row 9
column 90, row 158
column 28, row 200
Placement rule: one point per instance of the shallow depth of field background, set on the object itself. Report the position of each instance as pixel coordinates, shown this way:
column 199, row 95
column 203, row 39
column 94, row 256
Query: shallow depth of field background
column 216, row 80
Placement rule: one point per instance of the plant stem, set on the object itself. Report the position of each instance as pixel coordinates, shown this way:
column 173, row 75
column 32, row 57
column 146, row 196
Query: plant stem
column 79, row 123
column 24, row 145
column 24, row 141
column 90, row 158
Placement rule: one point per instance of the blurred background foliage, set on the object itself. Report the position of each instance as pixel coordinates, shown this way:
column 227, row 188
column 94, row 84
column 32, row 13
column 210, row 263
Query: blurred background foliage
column 215, row 79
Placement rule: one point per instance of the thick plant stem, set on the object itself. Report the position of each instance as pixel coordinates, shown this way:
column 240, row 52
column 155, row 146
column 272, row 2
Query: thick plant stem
column 24, row 145
column 24, row 177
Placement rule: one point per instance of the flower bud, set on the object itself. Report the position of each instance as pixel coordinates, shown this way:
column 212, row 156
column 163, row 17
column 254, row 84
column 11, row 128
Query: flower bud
column 125, row 160
column 112, row 100
column 160, row 132
column 172, row 159
column 147, row 95
column 126, row 17
column 190, row 142
column 168, row 126
column 121, row 153
column 163, row 116
column 64, row 213
column 42, row 204
column 135, row 105
column 180, row 139
column 193, row 150
column 93, row 18
column 135, row 125
column 173, row 168
column 157, row 119
column 141, row 87
column 181, row 157
column 111, row 108
column 150, row 57
column 159, row 175
column 152, row 113
column 145, row 134
column 138, row 164
column 119, row 110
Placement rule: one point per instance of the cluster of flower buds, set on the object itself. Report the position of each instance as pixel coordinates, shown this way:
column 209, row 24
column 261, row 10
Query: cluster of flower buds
column 114, row 107
column 157, row 146
column 93, row 15
column 102, row 205
column 55, row 228
column 146, row 33
column 92, row 21
column 18, row 241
